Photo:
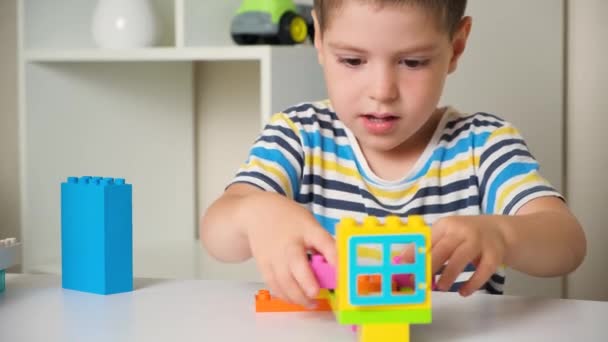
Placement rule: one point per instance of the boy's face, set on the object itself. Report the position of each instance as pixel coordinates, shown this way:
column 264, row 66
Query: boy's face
column 385, row 69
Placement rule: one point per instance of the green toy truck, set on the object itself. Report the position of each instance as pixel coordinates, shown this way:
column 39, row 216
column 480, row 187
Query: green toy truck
column 271, row 22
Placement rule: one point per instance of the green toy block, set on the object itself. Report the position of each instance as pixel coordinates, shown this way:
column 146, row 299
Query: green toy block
column 411, row 316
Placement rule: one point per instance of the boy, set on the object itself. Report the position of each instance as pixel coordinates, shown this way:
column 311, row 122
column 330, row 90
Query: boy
column 381, row 146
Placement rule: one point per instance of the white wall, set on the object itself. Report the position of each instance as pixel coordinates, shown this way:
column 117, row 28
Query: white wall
column 9, row 157
column 587, row 158
column 215, row 119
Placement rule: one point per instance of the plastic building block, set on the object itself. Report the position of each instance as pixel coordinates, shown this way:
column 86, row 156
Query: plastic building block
column 412, row 314
column 387, row 269
column 384, row 332
column 382, row 296
column 382, row 303
column 97, row 235
column 264, row 302
column 324, row 272
column 9, row 255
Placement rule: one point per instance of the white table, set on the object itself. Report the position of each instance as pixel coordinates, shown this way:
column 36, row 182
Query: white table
column 36, row 308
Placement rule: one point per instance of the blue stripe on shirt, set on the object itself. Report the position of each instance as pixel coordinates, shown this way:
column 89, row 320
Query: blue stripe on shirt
column 500, row 161
column 507, row 174
column 278, row 157
column 284, row 145
column 327, row 144
column 443, row 154
column 328, row 223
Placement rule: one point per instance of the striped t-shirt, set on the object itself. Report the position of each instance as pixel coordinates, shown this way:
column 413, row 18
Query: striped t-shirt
column 474, row 164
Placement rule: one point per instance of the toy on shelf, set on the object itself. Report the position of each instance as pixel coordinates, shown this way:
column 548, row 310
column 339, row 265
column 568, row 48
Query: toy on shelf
column 96, row 235
column 271, row 22
column 10, row 251
column 373, row 286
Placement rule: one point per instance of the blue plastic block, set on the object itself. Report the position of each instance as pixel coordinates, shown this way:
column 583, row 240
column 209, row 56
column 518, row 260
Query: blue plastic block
column 2, row 281
column 96, row 235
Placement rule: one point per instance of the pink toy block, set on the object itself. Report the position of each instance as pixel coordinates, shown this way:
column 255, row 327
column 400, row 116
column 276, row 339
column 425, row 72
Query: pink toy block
column 324, row 272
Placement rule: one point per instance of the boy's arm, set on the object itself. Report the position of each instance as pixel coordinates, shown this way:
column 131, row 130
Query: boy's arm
column 276, row 230
column 223, row 226
column 543, row 239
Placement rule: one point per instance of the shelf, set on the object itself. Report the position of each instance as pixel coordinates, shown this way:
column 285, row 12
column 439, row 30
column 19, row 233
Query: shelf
column 225, row 53
column 154, row 116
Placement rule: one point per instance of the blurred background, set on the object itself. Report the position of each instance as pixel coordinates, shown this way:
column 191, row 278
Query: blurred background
column 174, row 107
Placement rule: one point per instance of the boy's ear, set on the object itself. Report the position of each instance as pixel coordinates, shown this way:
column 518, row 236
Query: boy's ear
column 318, row 41
column 459, row 42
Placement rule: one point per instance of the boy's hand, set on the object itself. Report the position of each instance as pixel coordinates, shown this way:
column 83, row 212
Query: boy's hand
column 460, row 240
column 279, row 234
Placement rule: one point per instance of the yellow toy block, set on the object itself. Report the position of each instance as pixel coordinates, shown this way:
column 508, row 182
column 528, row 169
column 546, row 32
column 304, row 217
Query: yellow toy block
column 371, row 226
column 384, row 332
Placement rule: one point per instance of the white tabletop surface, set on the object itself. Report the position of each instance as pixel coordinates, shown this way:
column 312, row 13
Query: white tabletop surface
column 36, row 308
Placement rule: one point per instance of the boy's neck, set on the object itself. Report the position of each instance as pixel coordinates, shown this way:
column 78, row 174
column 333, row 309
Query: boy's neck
column 395, row 164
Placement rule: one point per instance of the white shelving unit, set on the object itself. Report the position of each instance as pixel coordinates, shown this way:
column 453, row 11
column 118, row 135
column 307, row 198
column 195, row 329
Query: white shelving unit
column 175, row 120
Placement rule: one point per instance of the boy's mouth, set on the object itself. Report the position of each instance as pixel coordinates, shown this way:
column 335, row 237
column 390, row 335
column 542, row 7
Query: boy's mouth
column 374, row 117
column 379, row 123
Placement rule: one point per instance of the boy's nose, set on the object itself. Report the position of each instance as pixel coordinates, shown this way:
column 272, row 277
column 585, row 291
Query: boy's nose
column 383, row 87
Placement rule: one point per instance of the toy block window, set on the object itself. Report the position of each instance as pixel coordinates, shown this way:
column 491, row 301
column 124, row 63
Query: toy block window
column 369, row 254
column 403, row 253
column 398, row 278
column 369, row 285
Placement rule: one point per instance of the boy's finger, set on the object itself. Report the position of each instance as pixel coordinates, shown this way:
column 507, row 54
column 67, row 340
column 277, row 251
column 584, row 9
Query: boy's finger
column 437, row 233
column 408, row 256
column 273, row 285
column 456, row 265
column 483, row 272
column 300, row 269
column 268, row 276
column 323, row 242
column 289, row 286
column 441, row 252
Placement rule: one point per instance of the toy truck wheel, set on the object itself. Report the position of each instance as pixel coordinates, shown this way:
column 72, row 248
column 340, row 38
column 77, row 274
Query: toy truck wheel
column 311, row 33
column 245, row 39
column 293, row 29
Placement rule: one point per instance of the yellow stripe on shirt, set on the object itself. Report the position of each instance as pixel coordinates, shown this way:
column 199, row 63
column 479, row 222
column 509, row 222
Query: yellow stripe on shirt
column 533, row 177
column 253, row 163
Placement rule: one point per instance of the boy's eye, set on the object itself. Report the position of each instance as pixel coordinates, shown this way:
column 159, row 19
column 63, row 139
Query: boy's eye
column 352, row 62
column 414, row 63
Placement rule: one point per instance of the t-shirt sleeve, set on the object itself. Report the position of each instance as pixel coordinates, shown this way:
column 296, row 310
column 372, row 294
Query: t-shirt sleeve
column 508, row 173
column 276, row 158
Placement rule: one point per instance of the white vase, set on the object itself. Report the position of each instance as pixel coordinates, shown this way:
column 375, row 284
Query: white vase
column 119, row 24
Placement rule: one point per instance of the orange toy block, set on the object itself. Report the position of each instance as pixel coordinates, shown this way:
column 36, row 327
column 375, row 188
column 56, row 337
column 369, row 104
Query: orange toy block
column 264, row 302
